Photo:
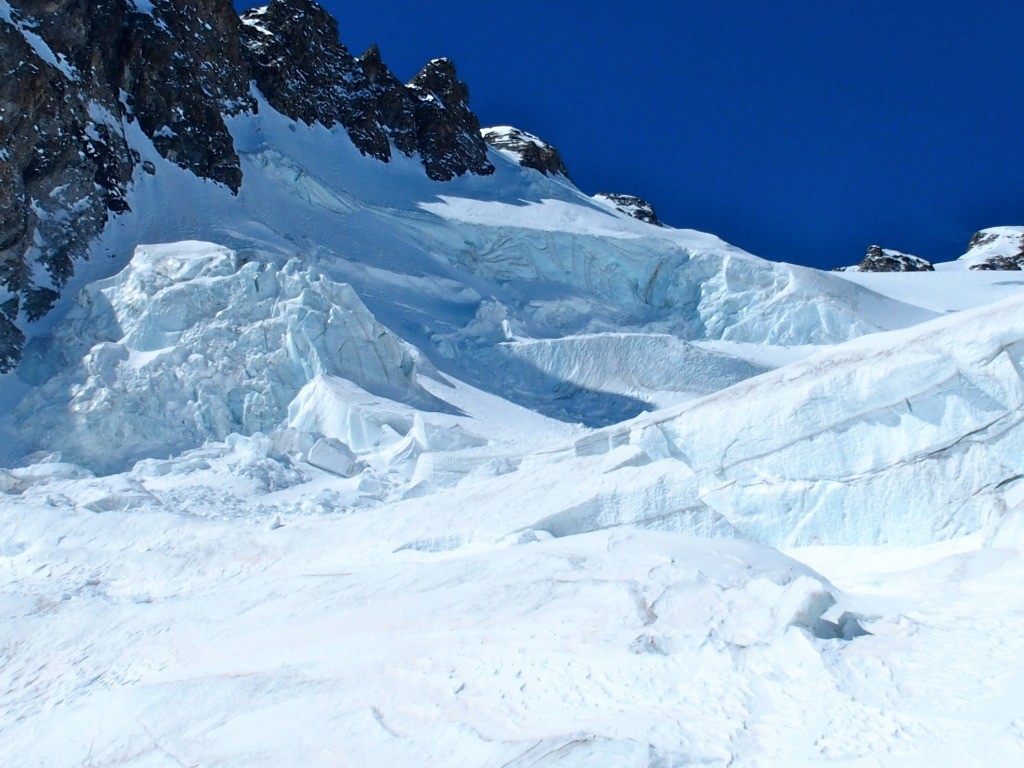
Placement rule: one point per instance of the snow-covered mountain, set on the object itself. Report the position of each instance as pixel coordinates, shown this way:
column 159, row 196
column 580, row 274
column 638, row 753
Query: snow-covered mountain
column 337, row 430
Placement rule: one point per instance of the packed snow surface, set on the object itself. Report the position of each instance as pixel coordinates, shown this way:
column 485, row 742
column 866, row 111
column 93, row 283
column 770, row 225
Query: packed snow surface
column 359, row 468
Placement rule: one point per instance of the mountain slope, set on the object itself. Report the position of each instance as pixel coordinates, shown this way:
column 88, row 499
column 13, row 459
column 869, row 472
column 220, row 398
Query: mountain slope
column 335, row 431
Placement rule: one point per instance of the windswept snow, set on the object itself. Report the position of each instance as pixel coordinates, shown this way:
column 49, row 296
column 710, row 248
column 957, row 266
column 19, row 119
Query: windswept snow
column 907, row 437
column 606, row 647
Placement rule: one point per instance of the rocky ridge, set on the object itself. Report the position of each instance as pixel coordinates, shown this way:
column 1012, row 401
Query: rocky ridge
column 79, row 73
column 305, row 72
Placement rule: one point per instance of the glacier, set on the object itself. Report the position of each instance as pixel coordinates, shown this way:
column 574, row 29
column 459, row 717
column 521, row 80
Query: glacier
column 359, row 466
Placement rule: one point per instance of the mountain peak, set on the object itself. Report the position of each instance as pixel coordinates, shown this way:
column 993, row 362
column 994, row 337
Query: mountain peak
column 448, row 133
column 306, row 73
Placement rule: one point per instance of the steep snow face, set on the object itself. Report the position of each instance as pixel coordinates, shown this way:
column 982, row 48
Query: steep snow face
column 997, row 248
column 902, row 438
column 454, row 268
column 193, row 342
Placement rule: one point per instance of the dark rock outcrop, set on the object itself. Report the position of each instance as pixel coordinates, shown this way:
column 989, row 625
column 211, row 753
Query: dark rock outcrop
column 636, row 207
column 880, row 259
column 447, row 132
column 183, row 71
column 1001, row 263
column 528, row 150
column 306, row 73
column 395, row 105
column 79, row 73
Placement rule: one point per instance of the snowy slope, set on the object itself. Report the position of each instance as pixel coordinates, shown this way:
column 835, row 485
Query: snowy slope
column 903, row 438
column 454, row 267
column 987, row 272
column 311, row 476
column 193, row 342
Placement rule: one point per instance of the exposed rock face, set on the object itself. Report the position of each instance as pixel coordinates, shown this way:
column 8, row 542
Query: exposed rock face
column 880, row 259
column 77, row 73
column 1001, row 263
column 447, row 132
column 396, row 108
column 998, row 248
column 526, row 149
column 636, row 207
column 305, row 73
column 183, row 70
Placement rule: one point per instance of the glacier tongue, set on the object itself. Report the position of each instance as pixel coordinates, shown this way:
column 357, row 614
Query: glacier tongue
column 193, row 342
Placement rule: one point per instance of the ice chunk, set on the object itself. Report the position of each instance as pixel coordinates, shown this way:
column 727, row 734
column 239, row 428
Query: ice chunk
column 332, row 455
column 337, row 408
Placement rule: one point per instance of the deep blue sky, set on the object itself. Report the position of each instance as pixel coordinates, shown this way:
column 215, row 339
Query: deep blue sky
column 801, row 131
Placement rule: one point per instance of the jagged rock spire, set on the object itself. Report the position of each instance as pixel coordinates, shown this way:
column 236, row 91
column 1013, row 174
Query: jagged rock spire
column 306, row 73
column 447, row 132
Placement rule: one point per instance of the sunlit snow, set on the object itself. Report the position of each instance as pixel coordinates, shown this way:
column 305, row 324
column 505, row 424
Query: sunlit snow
column 359, row 468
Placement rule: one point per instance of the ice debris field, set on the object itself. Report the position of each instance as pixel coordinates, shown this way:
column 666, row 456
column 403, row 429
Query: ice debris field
column 359, row 468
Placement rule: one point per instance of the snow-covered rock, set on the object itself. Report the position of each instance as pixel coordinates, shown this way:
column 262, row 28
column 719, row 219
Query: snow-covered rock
column 880, row 259
column 996, row 248
column 635, row 207
column 526, row 149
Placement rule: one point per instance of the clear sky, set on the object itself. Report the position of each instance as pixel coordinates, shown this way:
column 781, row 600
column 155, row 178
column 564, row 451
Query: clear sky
column 801, row 131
